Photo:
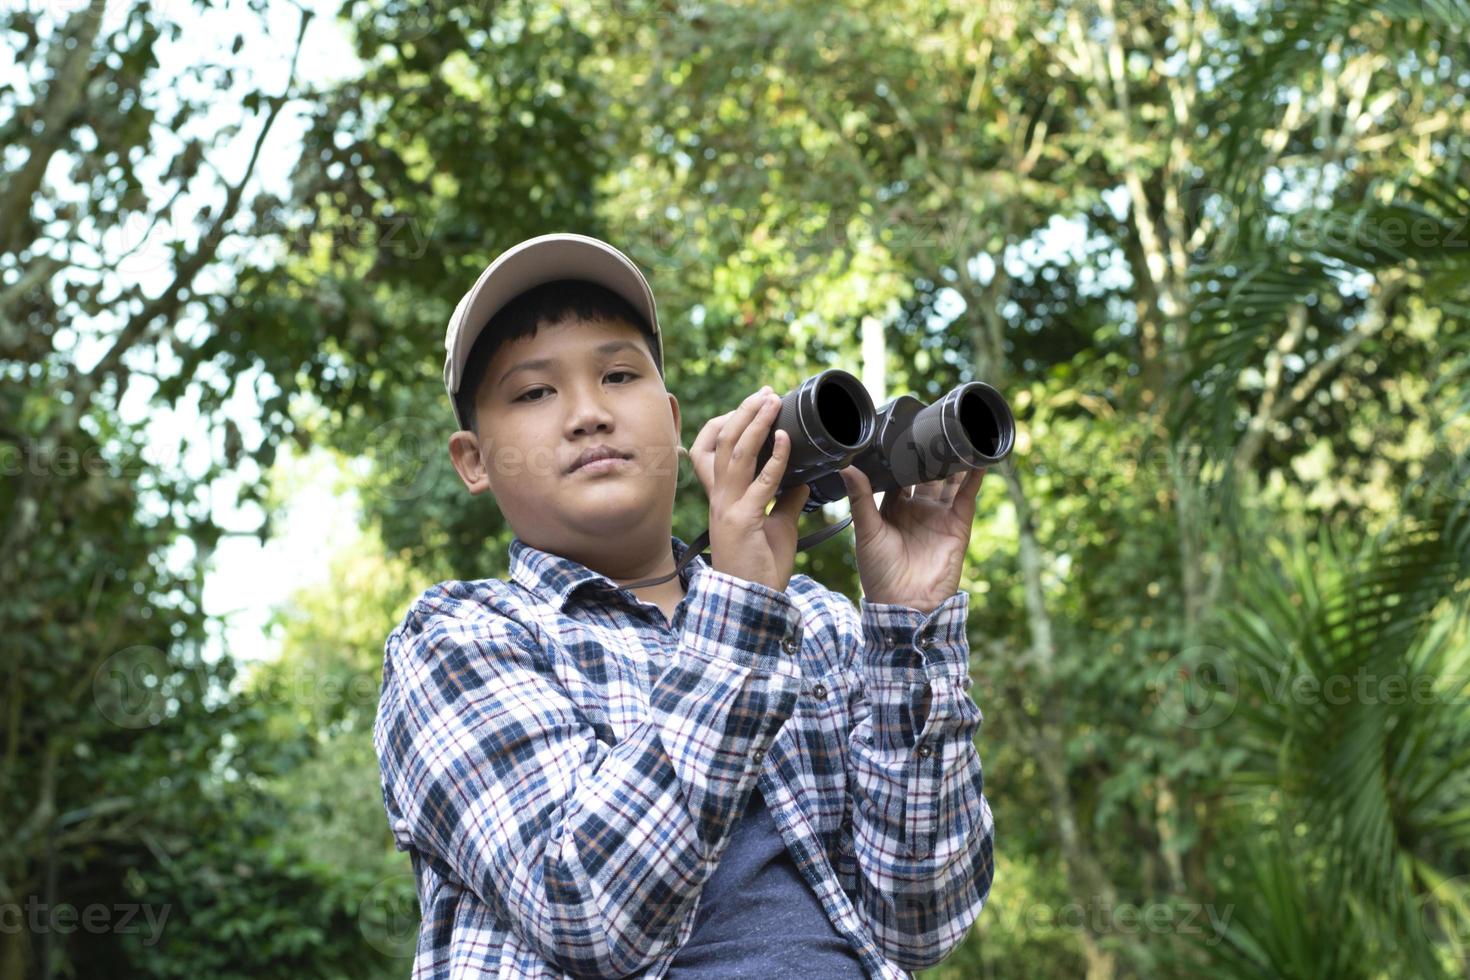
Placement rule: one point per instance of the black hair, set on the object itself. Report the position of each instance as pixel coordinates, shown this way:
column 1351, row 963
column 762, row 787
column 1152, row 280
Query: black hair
column 545, row 305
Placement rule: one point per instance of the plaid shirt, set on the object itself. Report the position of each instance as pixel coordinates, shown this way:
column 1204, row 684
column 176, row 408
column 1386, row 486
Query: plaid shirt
column 565, row 767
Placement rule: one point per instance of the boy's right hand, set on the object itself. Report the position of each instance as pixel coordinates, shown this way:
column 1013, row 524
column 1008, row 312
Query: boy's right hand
column 744, row 540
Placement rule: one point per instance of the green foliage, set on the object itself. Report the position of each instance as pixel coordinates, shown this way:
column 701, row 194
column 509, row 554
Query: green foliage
column 1212, row 255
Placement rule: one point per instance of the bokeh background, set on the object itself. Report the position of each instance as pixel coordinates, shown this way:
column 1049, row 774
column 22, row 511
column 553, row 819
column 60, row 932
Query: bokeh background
column 1214, row 253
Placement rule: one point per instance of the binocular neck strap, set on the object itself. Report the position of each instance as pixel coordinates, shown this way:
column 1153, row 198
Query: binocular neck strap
column 698, row 545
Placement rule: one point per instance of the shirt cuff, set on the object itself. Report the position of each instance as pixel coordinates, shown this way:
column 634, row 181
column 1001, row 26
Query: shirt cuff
column 899, row 637
column 731, row 618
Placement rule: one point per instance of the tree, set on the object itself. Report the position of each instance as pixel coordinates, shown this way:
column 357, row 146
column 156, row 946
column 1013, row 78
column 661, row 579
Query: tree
column 119, row 735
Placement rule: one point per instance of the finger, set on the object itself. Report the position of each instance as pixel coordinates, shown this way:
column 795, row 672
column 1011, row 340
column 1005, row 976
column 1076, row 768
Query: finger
column 969, row 489
column 748, row 446
column 952, row 485
column 702, row 452
column 705, row 441
column 860, row 497
column 730, row 433
column 705, row 471
column 758, row 495
column 893, row 501
column 929, row 490
column 789, row 504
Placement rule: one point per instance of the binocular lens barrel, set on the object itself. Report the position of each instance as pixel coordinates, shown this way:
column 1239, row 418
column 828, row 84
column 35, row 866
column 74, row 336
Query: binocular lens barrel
column 980, row 425
column 833, row 411
column 829, row 418
column 970, row 427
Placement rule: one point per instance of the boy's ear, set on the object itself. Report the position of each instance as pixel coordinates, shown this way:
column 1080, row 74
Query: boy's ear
column 464, row 453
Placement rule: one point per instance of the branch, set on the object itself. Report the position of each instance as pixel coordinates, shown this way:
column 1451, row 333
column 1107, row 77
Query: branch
column 168, row 300
column 13, row 335
column 45, row 810
column 63, row 96
column 1374, row 319
column 1255, row 433
column 1037, row 132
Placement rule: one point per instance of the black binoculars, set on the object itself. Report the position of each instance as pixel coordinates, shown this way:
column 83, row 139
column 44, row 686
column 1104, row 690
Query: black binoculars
column 832, row 424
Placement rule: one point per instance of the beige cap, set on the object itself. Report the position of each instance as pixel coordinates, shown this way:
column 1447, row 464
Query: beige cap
column 535, row 261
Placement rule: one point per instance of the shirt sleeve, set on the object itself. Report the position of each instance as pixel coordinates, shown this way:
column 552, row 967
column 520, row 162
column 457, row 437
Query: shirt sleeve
column 592, row 852
column 922, row 828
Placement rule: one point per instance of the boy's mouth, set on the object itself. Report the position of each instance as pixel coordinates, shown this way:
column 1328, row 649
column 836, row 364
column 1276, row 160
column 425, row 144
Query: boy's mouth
column 605, row 465
column 601, row 457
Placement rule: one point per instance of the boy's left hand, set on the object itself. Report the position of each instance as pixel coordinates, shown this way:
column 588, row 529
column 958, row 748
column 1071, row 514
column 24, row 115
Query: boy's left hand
column 911, row 552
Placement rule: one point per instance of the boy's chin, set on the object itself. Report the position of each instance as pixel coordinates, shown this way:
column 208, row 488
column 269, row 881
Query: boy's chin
column 609, row 500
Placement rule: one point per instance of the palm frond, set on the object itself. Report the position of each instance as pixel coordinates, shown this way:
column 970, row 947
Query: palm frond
column 1372, row 753
column 1281, row 924
column 1244, row 301
column 1296, row 34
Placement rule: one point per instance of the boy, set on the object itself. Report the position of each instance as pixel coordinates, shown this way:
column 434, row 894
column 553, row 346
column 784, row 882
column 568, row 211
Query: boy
column 601, row 768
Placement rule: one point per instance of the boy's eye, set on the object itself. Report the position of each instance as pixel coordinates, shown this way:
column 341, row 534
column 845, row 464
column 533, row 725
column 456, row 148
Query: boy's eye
column 525, row 396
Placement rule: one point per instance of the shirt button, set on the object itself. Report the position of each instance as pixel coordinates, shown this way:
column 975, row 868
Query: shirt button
column 819, row 691
column 791, row 644
column 757, row 756
column 925, row 750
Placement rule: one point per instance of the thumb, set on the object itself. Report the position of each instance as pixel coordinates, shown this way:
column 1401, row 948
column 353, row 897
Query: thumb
column 789, row 504
column 860, row 497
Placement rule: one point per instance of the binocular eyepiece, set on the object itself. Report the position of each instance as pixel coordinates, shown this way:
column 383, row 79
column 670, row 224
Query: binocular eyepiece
column 832, row 424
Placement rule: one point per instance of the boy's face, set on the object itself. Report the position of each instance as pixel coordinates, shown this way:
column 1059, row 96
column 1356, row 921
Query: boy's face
column 535, row 423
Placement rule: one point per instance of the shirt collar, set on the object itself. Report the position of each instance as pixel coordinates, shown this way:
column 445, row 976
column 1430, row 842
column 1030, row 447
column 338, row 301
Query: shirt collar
column 557, row 577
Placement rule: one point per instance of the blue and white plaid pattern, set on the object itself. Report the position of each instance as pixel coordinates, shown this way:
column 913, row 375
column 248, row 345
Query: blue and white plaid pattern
column 565, row 767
